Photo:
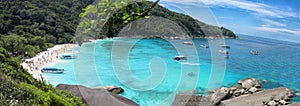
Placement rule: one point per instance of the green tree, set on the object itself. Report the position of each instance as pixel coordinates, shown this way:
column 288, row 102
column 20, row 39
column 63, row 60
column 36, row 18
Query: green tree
column 111, row 15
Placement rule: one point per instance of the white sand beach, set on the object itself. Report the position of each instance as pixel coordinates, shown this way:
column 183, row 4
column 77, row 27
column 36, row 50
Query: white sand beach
column 46, row 59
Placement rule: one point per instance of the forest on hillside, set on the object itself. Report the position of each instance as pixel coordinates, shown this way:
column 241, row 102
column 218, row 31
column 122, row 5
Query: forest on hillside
column 28, row 27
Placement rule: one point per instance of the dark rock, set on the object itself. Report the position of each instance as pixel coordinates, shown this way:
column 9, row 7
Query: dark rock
column 96, row 97
column 112, row 89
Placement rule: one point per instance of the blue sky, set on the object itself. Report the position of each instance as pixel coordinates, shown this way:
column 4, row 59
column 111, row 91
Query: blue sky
column 277, row 19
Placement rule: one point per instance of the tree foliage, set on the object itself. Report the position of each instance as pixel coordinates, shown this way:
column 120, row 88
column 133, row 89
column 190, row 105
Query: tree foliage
column 54, row 20
column 107, row 17
column 28, row 27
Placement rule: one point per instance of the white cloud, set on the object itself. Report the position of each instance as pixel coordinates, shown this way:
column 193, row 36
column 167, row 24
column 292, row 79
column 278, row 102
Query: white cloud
column 271, row 22
column 253, row 7
column 280, row 30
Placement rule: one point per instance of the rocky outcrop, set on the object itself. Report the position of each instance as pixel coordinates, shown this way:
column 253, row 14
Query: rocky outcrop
column 96, row 97
column 267, row 97
column 247, row 92
column 218, row 95
column 245, row 86
column 249, row 82
column 113, row 89
column 297, row 93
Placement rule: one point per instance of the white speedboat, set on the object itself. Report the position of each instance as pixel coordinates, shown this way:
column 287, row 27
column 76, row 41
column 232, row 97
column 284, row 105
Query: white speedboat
column 225, row 46
column 188, row 43
column 204, row 46
column 224, row 51
column 254, row 52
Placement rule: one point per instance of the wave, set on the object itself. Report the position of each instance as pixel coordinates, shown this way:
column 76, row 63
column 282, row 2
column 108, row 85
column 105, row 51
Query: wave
column 188, row 63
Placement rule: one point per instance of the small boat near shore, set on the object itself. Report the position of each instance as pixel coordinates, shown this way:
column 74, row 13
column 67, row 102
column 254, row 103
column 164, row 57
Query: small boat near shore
column 52, row 70
column 254, row 52
column 68, row 56
column 226, row 56
column 224, row 51
column 180, row 58
column 204, row 46
column 191, row 74
column 225, row 46
column 188, row 43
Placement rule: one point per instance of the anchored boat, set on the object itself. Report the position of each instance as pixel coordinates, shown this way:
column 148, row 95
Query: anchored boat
column 52, row 70
column 224, row 51
column 254, row 52
column 225, row 46
column 188, row 43
column 179, row 58
column 204, row 46
column 68, row 56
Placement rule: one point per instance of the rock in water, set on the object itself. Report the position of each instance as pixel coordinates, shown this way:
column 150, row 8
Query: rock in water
column 112, row 89
column 249, row 82
column 297, row 93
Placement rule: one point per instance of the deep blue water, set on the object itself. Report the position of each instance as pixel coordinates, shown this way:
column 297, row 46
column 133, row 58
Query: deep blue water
column 149, row 75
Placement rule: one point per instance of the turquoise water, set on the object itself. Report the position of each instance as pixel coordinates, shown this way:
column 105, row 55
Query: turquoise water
column 150, row 76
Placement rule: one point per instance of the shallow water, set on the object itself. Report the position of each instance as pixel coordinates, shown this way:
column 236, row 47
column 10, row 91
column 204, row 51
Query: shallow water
column 149, row 75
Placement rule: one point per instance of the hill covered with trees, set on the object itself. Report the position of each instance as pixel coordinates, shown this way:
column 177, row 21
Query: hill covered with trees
column 28, row 27
column 193, row 27
column 122, row 18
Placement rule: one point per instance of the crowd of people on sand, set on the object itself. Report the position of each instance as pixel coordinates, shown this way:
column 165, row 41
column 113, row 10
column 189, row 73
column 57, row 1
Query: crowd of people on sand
column 46, row 59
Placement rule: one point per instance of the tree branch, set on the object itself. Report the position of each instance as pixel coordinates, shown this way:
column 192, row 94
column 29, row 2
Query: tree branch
column 149, row 9
column 145, row 12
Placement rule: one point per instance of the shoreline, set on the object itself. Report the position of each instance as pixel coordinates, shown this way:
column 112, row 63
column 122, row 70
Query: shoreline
column 47, row 58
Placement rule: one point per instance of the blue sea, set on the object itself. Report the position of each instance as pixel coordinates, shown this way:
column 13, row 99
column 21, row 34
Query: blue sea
column 145, row 68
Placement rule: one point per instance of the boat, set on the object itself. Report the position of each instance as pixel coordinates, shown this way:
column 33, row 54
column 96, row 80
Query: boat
column 52, row 70
column 226, row 56
column 225, row 46
column 204, row 46
column 254, row 52
column 224, row 51
column 67, row 56
column 179, row 58
column 191, row 74
column 188, row 43
column 221, row 43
